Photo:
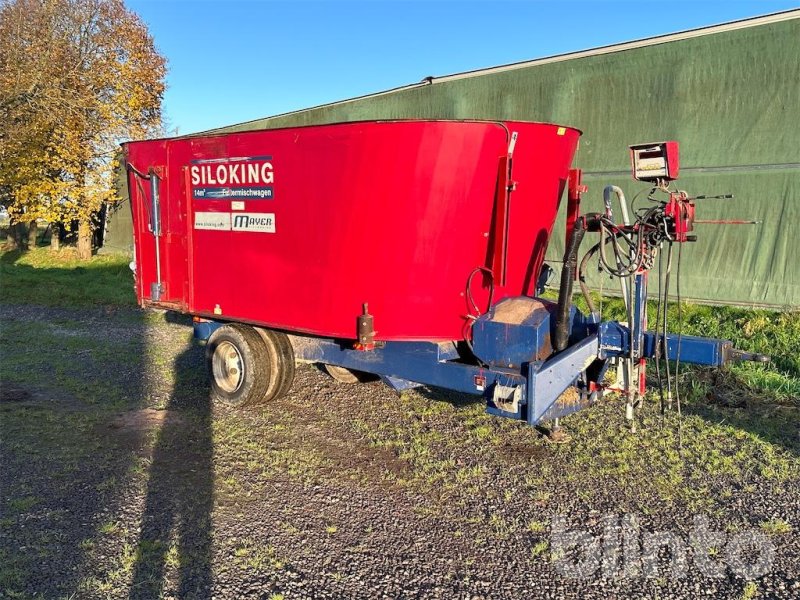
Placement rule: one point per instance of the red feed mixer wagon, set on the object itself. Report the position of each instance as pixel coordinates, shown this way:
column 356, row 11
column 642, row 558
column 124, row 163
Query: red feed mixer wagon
column 411, row 250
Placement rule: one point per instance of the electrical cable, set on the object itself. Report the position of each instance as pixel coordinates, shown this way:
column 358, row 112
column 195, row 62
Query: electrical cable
column 664, row 338
column 678, row 355
column 639, row 193
column 587, row 257
column 658, row 335
column 137, row 171
column 470, row 318
column 582, row 275
column 600, row 311
column 625, row 267
column 640, row 253
column 470, row 299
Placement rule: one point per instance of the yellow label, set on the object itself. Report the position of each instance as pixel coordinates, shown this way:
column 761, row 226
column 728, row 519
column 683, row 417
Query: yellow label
column 217, row 310
column 561, row 130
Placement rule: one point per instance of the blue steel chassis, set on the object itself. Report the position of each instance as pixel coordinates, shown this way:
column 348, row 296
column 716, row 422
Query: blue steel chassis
column 530, row 391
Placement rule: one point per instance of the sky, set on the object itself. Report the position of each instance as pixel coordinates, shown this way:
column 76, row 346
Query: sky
column 231, row 61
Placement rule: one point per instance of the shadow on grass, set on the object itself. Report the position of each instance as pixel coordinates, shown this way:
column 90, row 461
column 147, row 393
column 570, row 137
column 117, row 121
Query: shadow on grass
column 77, row 365
column 179, row 497
column 456, row 399
column 10, row 257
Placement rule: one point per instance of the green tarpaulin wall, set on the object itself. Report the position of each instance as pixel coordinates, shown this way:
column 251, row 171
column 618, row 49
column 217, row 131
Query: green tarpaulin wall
column 730, row 96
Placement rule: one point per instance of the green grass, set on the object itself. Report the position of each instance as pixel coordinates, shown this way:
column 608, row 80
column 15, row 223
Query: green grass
column 539, row 548
column 251, row 555
column 12, row 574
column 750, row 591
column 776, row 527
column 22, row 505
column 537, row 526
column 109, row 527
column 40, row 276
column 712, row 460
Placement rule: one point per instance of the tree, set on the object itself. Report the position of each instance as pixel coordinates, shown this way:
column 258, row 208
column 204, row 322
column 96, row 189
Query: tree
column 76, row 78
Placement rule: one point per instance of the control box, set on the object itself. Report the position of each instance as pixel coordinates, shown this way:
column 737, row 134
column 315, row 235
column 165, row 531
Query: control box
column 655, row 162
column 679, row 213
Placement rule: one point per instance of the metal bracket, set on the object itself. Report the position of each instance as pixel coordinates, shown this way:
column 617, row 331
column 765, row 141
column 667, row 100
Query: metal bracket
column 556, row 375
column 156, row 290
column 399, row 385
column 507, row 398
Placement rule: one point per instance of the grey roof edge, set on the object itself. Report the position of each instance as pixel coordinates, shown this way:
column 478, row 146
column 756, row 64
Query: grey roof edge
column 756, row 21
column 786, row 15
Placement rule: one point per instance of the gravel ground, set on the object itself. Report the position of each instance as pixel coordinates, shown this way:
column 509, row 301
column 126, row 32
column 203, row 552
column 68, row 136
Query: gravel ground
column 120, row 480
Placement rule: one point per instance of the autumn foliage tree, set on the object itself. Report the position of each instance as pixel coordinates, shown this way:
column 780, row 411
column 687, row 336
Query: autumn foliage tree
column 76, row 78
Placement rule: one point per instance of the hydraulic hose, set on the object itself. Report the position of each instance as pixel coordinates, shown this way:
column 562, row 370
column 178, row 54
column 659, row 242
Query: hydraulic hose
column 582, row 277
column 623, row 205
column 561, row 336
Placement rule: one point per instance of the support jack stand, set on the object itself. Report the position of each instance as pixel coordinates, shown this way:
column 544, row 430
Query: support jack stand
column 556, row 434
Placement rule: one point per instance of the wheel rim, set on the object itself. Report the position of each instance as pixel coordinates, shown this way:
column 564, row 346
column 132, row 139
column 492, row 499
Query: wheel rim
column 228, row 367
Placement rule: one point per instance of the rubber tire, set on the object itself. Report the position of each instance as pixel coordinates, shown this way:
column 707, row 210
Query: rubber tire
column 256, row 365
column 349, row 376
column 281, row 354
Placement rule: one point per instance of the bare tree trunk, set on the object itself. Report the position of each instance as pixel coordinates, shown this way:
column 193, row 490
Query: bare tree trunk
column 11, row 236
column 33, row 233
column 84, row 240
column 55, row 237
column 18, row 232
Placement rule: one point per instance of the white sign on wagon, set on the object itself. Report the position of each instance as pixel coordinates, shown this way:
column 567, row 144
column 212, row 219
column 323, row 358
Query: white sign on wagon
column 212, row 220
column 262, row 222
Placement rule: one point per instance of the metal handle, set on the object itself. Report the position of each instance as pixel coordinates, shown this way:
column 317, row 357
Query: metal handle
column 155, row 204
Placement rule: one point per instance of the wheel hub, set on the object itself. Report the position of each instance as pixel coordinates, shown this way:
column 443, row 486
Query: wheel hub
column 228, row 367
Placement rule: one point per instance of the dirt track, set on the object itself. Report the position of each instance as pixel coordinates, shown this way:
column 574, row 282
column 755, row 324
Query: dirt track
column 119, row 480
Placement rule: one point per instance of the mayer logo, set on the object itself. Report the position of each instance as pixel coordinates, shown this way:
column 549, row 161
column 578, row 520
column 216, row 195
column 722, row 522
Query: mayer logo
column 262, row 222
